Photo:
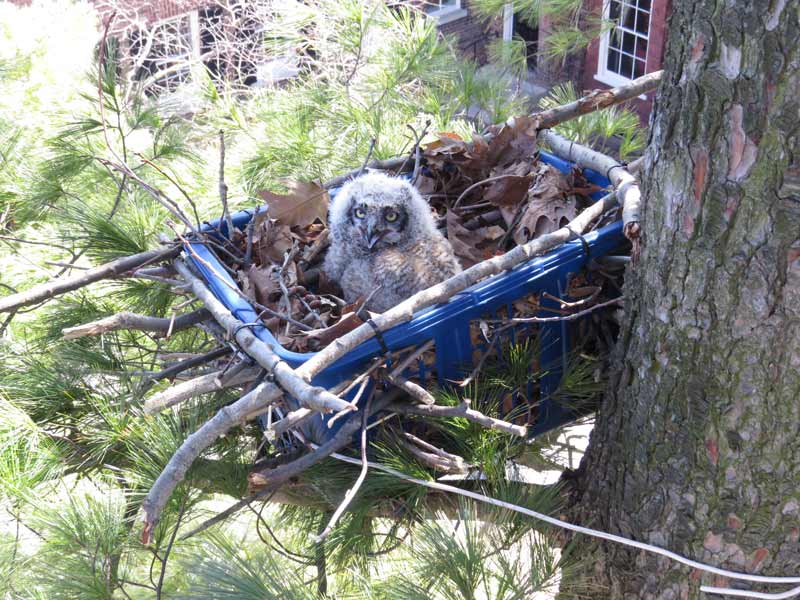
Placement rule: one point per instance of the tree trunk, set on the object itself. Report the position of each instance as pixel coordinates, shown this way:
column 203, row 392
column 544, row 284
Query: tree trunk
column 697, row 446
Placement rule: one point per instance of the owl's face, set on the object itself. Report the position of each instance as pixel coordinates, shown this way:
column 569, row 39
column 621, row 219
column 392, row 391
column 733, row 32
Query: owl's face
column 377, row 224
column 374, row 212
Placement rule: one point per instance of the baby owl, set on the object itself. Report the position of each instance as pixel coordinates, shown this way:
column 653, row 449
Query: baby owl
column 383, row 234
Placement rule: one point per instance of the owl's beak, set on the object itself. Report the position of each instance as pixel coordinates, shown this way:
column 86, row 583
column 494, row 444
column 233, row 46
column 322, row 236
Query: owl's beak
column 373, row 237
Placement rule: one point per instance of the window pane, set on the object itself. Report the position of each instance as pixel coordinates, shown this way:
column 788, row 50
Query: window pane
column 643, row 4
column 613, row 11
column 638, row 68
column 626, row 69
column 641, row 48
column 642, row 22
column 612, row 64
column 615, row 39
column 628, row 43
column 628, row 19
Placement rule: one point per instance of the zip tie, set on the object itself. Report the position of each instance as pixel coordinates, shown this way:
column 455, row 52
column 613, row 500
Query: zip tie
column 360, row 313
column 587, row 250
column 617, row 166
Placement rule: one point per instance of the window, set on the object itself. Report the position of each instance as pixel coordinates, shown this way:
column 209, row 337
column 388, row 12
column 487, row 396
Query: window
column 623, row 48
column 444, row 10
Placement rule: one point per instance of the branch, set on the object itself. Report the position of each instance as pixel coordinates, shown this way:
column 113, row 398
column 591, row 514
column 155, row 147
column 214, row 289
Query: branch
column 597, row 100
column 625, row 185
column 129, row 320
column 463, row 411
column 195, row 387
column 184, row 365
column 52, row 289
column 317, row 398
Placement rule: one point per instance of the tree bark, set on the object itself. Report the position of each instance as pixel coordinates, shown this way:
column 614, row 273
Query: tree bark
column 696, row 448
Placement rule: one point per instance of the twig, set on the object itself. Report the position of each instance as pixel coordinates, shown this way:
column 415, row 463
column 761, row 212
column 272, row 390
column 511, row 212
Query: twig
column 412, row 389
column 235, row 289
column 369, row 154
column 174, row 182
column 572, row 317
column 480, row 364
column 51, row 289
column 231, row 510
column 351, row 493
column 478, row 184
column 315, row 397
column 406, row 362
column 597, row 100
column 379, row 165
column 223, row 187
column 198, row 386
column 464, row 411
column 128, row 320
column 187, row 364
column 435, row 457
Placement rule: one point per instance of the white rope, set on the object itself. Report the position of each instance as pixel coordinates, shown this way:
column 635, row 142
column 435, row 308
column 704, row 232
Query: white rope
column 603, row 535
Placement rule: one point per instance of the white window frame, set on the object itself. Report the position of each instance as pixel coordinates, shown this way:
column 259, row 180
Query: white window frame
column 612, row 78
column 445, row 14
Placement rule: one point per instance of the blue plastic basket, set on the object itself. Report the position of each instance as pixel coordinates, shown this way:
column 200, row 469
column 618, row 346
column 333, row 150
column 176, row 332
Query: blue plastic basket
column 448, row 324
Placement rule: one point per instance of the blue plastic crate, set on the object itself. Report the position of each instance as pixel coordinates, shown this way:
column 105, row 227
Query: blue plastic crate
column 448, row 324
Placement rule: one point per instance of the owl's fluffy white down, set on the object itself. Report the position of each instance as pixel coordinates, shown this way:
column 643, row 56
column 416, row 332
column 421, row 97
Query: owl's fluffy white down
column 417, row 257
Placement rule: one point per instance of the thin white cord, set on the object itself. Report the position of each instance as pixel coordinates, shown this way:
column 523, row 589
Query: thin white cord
column 603, row 535
column 747, row 594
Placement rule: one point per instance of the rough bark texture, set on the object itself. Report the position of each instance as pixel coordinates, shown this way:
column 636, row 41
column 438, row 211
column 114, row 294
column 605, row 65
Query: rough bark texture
column 697, row 447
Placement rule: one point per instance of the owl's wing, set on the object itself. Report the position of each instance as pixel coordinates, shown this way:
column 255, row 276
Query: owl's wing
column 335, row 262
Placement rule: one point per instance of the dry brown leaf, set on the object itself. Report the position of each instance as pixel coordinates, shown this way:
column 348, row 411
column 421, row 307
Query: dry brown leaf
column 548, row 207
column 262, row 281
column 463, row 241
column 305, row 202
column 271, row 240
column 323, row 337
column 543, row 216
column 512, row 188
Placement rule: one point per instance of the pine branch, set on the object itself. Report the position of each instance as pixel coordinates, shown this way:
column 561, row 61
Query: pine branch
column 129, row 320
column 51, row 289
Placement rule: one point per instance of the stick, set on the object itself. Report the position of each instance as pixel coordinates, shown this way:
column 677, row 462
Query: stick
column 463, row 411
column 571, row 317
column 51, row 289
column 625, row 184
column 223, row 187
column 597, row 100
column 172, row 371
column 129, row 320
column 351, row 493
column 196, row 387
column 317, row 398
column 412, row 389
column 380, row 165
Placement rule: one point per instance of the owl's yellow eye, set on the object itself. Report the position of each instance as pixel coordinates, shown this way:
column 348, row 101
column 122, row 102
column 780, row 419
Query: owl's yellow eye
column 360, row 213
column 391, row 216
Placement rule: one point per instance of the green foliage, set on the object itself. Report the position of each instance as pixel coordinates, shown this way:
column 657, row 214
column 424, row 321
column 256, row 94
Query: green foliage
column 77, row 454
column 598, row 128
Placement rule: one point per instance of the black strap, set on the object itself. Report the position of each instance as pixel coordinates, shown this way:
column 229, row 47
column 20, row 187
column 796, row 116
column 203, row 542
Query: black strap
column 364, row 316
column 612, row 167
column 587, row 250
column 245, row 326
